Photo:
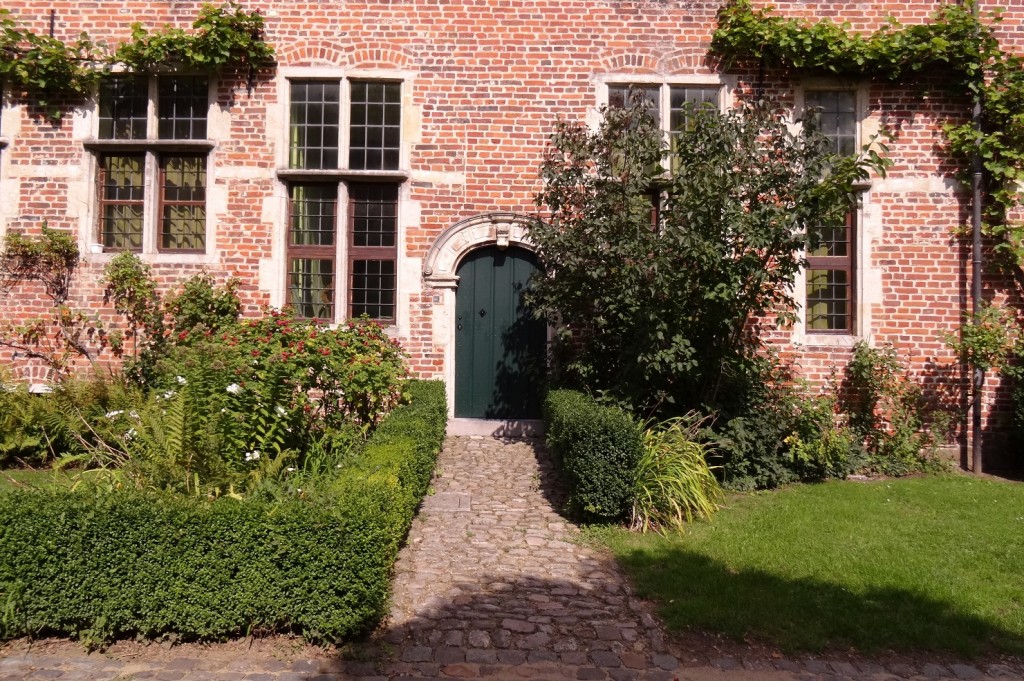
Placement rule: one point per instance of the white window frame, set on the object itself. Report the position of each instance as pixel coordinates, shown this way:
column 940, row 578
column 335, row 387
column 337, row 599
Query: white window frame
column 9, row 118
column 665, row 83
column 343, row 177
column 152, row 147
column 866, row 285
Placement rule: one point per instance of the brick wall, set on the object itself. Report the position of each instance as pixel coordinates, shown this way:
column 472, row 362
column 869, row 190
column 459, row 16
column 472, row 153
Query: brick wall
column 488, row 79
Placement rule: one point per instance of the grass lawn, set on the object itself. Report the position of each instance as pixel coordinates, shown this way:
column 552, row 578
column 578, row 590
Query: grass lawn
column 931, row 563
column 20, row 478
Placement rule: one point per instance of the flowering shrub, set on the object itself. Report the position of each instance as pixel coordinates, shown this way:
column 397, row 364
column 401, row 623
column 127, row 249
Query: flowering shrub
column 228, row 411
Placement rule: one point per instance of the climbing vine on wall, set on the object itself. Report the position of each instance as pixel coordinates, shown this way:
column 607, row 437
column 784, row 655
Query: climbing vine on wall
column 954, row 44
column 51, row 70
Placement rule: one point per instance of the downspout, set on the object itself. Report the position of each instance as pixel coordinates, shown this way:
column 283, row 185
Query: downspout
column 977, row 373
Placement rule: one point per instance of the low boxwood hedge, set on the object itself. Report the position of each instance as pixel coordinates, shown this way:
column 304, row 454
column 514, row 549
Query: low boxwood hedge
column 597, row 448
column 134, row 563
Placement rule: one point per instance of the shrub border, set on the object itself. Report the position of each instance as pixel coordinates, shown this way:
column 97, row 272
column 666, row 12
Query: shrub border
column 134, row 563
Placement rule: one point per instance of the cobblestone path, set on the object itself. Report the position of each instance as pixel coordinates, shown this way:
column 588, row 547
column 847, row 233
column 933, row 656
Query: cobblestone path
column 493, row 575
column 492, row 584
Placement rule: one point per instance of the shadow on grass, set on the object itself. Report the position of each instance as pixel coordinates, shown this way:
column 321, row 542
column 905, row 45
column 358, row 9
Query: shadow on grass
column 697, row 592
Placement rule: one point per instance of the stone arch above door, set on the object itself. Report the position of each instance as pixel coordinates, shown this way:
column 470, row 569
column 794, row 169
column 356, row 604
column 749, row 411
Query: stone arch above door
column 504, row 230
column 499, row 229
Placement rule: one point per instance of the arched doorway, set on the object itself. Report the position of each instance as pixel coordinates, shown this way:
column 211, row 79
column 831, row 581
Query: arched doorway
column 499, row 346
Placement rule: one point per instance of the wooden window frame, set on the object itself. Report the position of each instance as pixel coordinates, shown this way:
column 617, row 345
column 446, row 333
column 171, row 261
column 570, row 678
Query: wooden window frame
column 350, row 176
column 379, row 253
column 328, row 252
column 163, row 202
column 145, row 141
column 104, row 202
column 837, row 263
column 848, row 263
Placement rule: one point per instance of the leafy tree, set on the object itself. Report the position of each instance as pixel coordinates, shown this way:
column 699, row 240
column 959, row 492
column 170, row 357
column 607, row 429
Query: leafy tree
column 661, row 279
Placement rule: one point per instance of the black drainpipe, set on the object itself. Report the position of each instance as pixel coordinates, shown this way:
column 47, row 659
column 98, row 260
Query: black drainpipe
column 977, row 374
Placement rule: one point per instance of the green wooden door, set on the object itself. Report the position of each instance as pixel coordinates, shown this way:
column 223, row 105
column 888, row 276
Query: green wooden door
column 499, row 348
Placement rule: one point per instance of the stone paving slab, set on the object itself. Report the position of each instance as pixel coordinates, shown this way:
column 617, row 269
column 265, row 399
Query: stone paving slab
column 492, row 584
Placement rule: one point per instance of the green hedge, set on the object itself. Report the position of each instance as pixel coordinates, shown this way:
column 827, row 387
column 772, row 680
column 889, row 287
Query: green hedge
column 597, row 448
column 135, row 563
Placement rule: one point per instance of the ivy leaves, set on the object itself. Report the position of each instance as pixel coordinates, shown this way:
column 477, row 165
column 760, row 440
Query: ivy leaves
column 954, row 41
column 43, row 64
column 52, row 70
column 954, row 45
column 221, row 37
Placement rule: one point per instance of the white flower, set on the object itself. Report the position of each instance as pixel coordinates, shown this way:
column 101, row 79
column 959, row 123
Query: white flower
column 134, row 414
column 281, row 411
column 254, row 455
column 234, row 388
column 169, row 394
column 290, row 469
column 130, row 434
column 181, row 380
column 116, row 412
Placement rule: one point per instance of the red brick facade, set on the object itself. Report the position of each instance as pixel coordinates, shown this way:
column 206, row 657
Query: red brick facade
column 484, row 82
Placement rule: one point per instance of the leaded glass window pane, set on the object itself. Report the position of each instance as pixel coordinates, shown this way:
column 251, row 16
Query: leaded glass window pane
column 374, row 214
column 122, row 188
column 834, row 113
column 313, row 214
column 373, row 288
column 375, row 125
column 182, row 107
column 123, row 104
column 624, row 96
column 183, row 203
column 828, row 300
column 833, row 242
column 314, row 124
column 311, row 288
column 684, row 100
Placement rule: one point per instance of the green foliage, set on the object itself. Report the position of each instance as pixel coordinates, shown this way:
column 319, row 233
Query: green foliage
column 130, row 563
column 1017, row 417
column 237, row 412
column 50, row 71
column 656, row 315
column 886, row 412
column 156, row 325
column 49, row 258
column 948, row 45
column 986, row 339
column 45, row 66
column 821, row 445
column 37, row 429
column 20, row 440
column 960, row 50
column 750, row 433
column 782, row 434
column 673, row 482
column 215, row 406
column 221, row 37
column 598, row 449
column 101, row 563
column 129, row 285
column 202, row 306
